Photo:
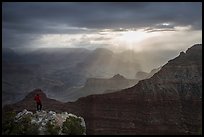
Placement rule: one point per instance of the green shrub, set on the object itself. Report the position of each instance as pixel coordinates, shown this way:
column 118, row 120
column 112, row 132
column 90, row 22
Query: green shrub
column 72, row 126
column 8, row 123
column 25, row 126
column 21, row 127
column 200, row 131
column 52, row 129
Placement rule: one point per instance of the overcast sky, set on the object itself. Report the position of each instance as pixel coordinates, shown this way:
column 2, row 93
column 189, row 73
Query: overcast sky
column 136, row 26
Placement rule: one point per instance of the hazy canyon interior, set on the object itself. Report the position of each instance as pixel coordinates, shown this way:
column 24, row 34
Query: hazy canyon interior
column 66, row 74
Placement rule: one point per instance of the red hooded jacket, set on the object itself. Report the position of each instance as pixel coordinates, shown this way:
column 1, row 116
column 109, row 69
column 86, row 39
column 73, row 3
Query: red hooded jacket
column 37, row 99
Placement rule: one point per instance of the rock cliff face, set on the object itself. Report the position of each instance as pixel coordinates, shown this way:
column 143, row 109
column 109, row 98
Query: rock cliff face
column 170, row 102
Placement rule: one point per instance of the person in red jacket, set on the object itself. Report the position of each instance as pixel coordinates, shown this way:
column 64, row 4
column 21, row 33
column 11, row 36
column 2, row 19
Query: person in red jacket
column 38, row 102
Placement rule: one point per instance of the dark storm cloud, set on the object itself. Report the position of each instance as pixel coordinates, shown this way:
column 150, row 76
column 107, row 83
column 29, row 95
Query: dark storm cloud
column 59, row 18
column 102, row 15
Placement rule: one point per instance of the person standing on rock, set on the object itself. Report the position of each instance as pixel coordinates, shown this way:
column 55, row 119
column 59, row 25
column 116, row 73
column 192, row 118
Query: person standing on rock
column 38, row 102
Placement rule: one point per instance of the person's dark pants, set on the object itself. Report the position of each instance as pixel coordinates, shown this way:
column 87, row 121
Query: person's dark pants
column 39, row 106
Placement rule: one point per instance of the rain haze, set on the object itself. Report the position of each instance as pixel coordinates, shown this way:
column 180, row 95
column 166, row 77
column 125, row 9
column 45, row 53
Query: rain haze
column 147, row 28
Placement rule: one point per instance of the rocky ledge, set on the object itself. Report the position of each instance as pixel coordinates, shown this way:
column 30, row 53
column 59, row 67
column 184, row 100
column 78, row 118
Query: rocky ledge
column 44, row 123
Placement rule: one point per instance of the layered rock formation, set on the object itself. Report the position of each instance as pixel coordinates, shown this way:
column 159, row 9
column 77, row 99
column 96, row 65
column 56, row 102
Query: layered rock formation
column 144, row 75
column 170, row 102
column 100, row 86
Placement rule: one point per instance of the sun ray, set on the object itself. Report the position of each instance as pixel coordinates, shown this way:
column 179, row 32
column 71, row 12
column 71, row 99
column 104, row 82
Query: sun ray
column 131, row 38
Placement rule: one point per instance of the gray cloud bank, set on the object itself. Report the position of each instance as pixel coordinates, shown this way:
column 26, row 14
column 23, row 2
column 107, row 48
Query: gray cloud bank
column 24, row 21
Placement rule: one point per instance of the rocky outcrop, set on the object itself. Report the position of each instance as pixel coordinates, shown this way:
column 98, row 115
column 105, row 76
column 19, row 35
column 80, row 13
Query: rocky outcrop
column 29, row 103
column 101, row 86
column 43, row 123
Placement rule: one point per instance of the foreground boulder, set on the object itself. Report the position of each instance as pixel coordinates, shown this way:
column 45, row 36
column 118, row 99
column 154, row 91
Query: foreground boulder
column 43, row 123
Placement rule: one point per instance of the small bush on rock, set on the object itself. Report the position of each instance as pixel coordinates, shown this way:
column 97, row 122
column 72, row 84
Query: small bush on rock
column 52, row 129
column 72, row 126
